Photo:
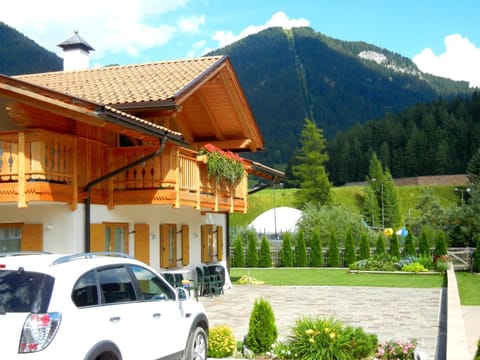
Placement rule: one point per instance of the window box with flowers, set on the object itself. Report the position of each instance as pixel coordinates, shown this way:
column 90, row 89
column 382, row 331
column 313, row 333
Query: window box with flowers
column 225, row 167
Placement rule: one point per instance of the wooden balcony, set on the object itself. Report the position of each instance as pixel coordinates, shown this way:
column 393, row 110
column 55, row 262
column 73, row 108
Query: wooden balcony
column 44, row 166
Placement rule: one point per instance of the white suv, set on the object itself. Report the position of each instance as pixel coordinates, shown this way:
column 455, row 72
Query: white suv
column 95, row 306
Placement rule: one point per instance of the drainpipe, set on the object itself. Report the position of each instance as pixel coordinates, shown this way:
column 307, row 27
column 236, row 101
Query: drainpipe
column 108, row 176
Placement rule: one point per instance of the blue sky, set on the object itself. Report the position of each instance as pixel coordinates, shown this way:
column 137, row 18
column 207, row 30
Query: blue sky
column 441, row 36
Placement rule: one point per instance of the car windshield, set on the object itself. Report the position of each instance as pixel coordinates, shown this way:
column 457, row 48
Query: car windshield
column 24, row 291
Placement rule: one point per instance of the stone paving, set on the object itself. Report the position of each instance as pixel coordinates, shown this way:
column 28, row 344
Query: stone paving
column 390, row 313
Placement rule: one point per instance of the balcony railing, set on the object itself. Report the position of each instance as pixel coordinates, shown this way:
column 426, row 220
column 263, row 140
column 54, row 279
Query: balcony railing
column 39, row 165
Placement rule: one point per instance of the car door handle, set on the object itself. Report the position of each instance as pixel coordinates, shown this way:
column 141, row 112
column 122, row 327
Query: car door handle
column 157, row 315
column 115, row 319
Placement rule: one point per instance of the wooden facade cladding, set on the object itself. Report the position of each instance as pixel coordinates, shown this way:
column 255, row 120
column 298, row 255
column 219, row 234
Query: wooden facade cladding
column 38, row 165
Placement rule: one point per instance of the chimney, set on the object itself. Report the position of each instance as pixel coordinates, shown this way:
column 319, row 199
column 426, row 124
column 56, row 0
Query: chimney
column 75, row 53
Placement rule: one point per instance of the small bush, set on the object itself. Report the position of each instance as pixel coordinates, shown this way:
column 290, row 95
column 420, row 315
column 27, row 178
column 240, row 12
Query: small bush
column 252, row 252
column 329, row 339
column 350, row 251
column 414, row 267
column 380, row 246
column 364, row 247
column 477, row 355
column 262, row 331
column 221, row 342
column 409, row 248
column 394, row 246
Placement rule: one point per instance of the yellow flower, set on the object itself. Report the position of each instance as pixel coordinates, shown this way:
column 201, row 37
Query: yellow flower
column 309, row 331
column 332, row 335
column 327, row 330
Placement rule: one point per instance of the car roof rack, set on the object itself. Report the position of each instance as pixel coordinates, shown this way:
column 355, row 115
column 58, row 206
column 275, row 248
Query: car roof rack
column 21, row 253
column 90, row 255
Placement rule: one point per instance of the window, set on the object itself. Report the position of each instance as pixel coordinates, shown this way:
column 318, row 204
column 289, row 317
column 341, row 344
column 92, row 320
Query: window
column 116, row 285
column 151, row 286
column 10, row 238
column 116, row 237
column 168, row 245
column 85, row 290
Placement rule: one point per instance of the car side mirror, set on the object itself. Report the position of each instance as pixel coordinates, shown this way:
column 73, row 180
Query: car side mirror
column 182, row 293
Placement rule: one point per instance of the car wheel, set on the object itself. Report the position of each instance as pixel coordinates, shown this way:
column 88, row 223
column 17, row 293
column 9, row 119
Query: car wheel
column 197, row 345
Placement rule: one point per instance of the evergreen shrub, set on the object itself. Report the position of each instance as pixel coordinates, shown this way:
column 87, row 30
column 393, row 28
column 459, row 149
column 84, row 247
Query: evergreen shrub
column 476, row 257
column 262, row 331
column 301, row 251
column 380, row 246
column 238, row 259
column 265, row 259
column 252, row 252
column 316, row 250
column 286, row 254
column 350, row 251
column 394, row 246
column 364, row 248
column 333, row 256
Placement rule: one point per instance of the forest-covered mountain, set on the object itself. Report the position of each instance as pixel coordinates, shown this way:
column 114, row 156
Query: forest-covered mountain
column 20, row 55
column 427, row 139
column 290, row 75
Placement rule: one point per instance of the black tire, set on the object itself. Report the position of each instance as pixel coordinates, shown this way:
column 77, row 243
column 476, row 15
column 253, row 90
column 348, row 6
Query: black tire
column 197, row 345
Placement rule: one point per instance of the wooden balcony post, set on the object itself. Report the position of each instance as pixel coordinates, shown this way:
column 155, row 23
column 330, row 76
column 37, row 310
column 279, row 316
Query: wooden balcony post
column 22, row 203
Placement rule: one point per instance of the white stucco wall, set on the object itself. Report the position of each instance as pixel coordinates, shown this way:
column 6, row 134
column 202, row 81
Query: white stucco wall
column 63, row 229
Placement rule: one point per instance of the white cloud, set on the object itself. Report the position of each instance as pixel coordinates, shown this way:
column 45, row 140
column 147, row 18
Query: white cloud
column 110, row 26
column 191, row 24
column 459, row 61
column 279, row 19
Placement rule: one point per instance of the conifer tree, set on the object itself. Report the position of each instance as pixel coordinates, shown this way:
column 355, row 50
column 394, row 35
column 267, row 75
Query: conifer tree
column 316, row 254
column 265, row 258
column 350, row 251
column 252, row 252
column 309, row 170
column 476, row 258
column 441, row 245
column 333, row 256
column 238, row 253
column 423, row 244
column 394, row 246
column 409, row 248
column 364, row 252
column 262, row 331
column 301, row 251
column 380, row 246
column 391, row 212
column 286, row 254
column 473, row 169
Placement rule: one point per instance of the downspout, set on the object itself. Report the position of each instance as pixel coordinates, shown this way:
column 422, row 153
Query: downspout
column 108, row 176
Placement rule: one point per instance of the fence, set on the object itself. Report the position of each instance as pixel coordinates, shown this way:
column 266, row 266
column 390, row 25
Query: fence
column 461, row 258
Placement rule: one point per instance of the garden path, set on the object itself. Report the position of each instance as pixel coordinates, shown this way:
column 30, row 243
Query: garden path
column 390, row 313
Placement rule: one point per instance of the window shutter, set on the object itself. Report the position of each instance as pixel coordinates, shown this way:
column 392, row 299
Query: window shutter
column 142, row 242
column 97, row 237
column 185, row 246
column 219, row 243
column 32, row 237
column 204, row 243
column 164, row 246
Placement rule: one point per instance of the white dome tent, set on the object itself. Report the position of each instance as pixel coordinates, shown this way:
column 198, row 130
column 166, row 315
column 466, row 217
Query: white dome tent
column 276, row 221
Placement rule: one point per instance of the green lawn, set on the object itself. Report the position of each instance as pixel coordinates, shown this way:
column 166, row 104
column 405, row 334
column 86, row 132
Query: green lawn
column 469, row 288
column 341, row 277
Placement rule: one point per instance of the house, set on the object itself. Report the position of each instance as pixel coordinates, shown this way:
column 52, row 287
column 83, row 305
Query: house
column 107, row 159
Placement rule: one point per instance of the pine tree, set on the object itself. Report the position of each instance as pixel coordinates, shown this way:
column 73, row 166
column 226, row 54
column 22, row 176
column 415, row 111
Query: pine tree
column 473, row 169
column 252, row 252
column 262, row 331
column 301, row 251
column 441, row 245
column 364, row 253
column 309, row 170
column 391, row 212
column 409, row 247
column 286, row 255
column 316, row 254
column 238, row 253
column 350, row 252
column 423, row 244
column 394, row 246
column 265, row 258
column 380, row 246
column 333, row 256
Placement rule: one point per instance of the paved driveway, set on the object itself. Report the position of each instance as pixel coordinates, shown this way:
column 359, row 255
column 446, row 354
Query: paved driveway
column 390, row 313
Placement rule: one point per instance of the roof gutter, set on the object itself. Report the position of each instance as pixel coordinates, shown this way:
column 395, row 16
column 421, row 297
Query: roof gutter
column 108, row 176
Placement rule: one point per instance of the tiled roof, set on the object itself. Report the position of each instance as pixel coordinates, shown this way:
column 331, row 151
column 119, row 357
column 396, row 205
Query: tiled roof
column 129, row 84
